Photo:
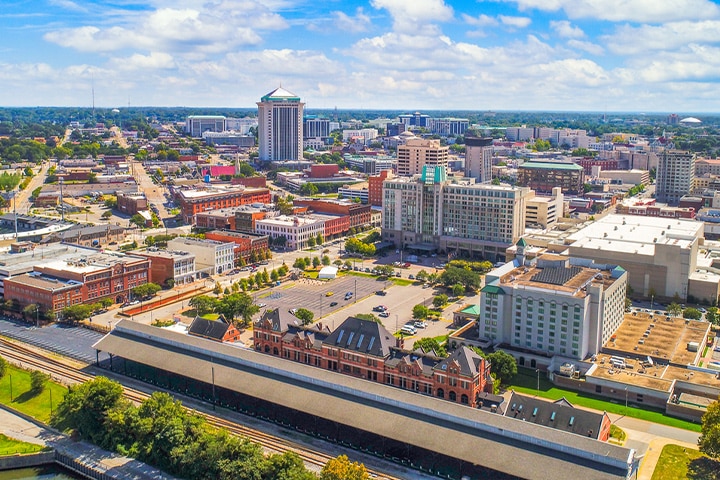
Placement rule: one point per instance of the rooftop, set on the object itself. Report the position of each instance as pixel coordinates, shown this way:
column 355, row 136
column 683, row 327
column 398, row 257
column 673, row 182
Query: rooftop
column 286, row 221
column 551, row 166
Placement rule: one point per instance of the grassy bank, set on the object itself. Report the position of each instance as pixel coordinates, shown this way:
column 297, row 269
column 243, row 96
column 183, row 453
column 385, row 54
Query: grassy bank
column 15, row 392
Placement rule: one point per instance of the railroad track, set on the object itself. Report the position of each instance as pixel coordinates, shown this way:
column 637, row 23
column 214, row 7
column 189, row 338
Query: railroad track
column 69, row 374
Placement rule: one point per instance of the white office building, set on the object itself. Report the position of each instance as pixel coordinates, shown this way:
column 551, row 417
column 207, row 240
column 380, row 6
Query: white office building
column 556, row 306
column 295, row 230
column 211, row 256
column 196, row 125
column 280, row 126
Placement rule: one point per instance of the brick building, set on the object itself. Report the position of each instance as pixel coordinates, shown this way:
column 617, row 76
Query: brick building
column 365, row 349
column 245, row 243
column 375, row 185
column 359, row 214
column 320, row 170
column 131, row 203
column 57, row 284
column 170, row 267
column 197, row 200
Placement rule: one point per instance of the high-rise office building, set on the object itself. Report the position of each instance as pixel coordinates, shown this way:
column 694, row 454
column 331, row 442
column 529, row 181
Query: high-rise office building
column 280, row 126
column 478, row 158
column 418, row 152
column 675, row 173
column 458, row 216
column 314, row 127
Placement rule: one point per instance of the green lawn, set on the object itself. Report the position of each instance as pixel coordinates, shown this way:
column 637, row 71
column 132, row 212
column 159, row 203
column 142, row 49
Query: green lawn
column 37, row 406
column 10, row 446
column 679, row 462
column 526, row 382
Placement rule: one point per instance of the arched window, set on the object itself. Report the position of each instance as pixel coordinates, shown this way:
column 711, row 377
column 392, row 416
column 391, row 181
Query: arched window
column 452, row 396
column 441, row 393
column 533, row 363
column 276, row 351
column 521, row 362
column 464, row 399
column 267, row 348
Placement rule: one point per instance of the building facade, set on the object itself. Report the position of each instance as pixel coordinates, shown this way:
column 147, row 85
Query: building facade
column 247, row 245
column 295, row 230
column 211, row 256
column 365, row 349
column 197, row 200
column 418, row 152
column 280, row 126
column 478, row 159
column 375, row 187
column 131, row 203
column 674, row 178
column 544, row 212
column 56, row 284
column 544, row 176
column 552, row 307
column 195, row 125
column 170, row 268
column 430, row 212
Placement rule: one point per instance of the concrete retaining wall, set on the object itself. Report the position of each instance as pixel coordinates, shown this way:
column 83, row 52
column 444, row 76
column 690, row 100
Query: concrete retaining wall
column 13, row 462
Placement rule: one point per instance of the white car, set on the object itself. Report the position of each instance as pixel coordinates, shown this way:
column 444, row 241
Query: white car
column 408, row 330
column 420, row 324
column 384, row 314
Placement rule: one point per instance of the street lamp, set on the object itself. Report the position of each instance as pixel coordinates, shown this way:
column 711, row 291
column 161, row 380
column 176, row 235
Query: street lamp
column 537, row 370
column 626, row 400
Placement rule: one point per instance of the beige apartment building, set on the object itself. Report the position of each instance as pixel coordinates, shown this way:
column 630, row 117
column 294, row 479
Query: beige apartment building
column 418, row 152
column 543, row 212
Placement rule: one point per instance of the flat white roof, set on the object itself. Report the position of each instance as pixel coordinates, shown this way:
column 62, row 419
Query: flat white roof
column 636, row 234
column 285, row 221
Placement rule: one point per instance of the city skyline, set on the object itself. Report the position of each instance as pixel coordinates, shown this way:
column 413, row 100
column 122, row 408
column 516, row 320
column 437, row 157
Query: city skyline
column 559, row 55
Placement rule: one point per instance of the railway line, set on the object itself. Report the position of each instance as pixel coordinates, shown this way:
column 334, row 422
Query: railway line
column 69, row 373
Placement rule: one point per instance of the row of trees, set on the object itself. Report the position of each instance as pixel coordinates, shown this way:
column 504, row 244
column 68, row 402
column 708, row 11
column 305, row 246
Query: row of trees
column 161, row 432
column 357, row 246
column 237, row 307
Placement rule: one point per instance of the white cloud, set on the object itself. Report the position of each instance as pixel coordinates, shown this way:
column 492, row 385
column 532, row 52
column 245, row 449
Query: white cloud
column 154, row 61
column 589, row 47
column 480, row 21
column 627, row 40
column 627, row 10
column 68, row 5
column 346, row 23
column 564, row 29
column 517, row 22
column 410, row 16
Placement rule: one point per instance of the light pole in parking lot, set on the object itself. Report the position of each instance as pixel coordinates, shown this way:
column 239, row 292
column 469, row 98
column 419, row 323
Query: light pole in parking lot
column 355, row 291
column 321, row 295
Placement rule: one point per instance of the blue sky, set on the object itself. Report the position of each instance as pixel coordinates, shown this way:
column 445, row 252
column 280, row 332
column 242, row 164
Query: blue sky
column 614, row 55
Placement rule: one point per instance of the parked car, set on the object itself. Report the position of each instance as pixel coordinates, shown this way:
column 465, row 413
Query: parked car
column 380, row 308
column 261, row 305
column 411, row 276
column 384, row 314
column 292, row 311
column 408, row 330
column 332, row 304
column 420, row 324
column 381, row 293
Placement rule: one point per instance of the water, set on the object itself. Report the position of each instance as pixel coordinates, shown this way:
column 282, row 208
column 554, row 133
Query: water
column 47, row 472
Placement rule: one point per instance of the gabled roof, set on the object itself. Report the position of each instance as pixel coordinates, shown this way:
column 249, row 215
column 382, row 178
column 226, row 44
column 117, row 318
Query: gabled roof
column 468, row 361
column 560, row 414
column 279, row 319
column 426, row 361
column 213, row 329
column 362, row 336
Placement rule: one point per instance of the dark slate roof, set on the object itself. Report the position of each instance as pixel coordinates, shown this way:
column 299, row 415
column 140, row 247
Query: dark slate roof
column 425, row 360
column 215, row 329
column 468, row 361
column 280, row 319
column 584, row 422
column 363, row 336
column 314, row 334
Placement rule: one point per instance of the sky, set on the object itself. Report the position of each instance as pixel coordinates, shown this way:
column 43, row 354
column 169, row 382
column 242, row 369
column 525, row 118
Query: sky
column 480, row 55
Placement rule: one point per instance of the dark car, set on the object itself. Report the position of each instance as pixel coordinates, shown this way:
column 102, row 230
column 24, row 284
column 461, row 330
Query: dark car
column 332, row 304
column 381, row 292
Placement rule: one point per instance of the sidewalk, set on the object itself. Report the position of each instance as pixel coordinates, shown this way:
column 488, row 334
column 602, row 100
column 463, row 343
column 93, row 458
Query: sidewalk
column 649, row 462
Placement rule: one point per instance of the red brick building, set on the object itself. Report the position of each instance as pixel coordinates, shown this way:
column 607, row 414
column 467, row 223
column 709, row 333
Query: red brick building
column 131, row 203
column 219, row 330
column 320, row 170
column 365, row 349
column 197, row 200
column 358, row 214
column 251, row 182
column 588, row 162
column 246, row 243
column 169, row 268
column 375, row 185
column 57, row 284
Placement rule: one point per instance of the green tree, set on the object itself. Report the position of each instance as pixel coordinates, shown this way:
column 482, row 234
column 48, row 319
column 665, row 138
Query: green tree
column 464, row 276
column 712, row 315
column 692, row 313
column 146, row 290
column 203, row 304
column 274, row 276
column 8, row 181
column 305, row 315
column 458, row 289
column 341, row 468
column 308, row 189
column 31, row 312
column 420, row 311
column 428, row 344
column 3, row 367
column 674, row 309
column 440, row 300
column 217, row 290
column 238, row 308
column 369, row 317
column 138, row 220
column 286, row 466
column 311, row 242
column 299, row 264
column 75, row 313
column 85, row 407
column 709, row 441
column 319, row 240
column 422, row 276
column 106, row 214
column 315, row 262
column 111, row 202
column 502, row 365
column 38, row 381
